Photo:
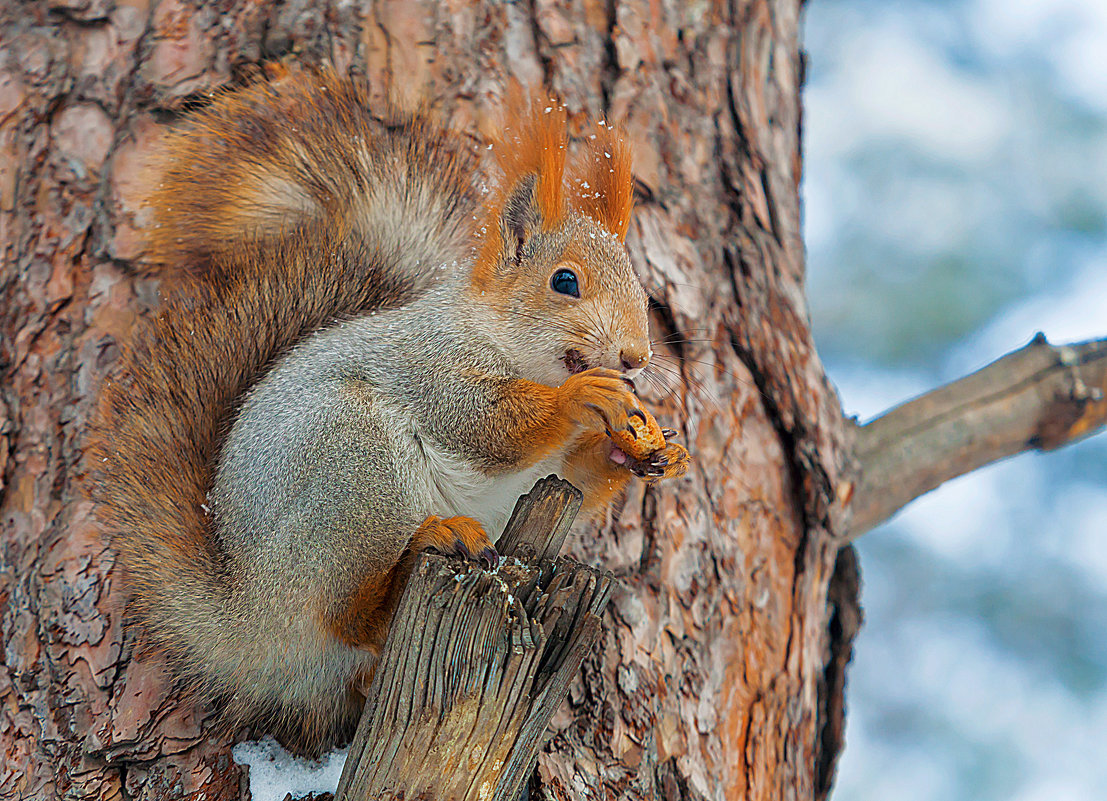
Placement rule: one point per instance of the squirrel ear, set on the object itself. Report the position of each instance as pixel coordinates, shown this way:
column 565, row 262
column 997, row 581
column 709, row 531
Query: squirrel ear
column 520, row 219
column 530, row 153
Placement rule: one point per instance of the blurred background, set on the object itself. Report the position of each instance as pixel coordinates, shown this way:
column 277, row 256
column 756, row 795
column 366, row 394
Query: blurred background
column 955, row 203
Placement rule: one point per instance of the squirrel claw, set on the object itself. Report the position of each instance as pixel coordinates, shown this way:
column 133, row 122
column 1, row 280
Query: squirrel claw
column 669, row 433
column 668, row 462
column 456, row 536
column 489, row 558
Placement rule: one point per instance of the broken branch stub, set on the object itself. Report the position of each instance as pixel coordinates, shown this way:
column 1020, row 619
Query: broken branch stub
column 476, row 663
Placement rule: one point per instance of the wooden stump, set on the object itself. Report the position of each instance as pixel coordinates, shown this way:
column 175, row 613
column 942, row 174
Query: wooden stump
column 476, row 663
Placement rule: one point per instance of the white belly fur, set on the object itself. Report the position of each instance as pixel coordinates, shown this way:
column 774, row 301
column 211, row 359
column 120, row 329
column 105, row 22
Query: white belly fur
column 457, row 487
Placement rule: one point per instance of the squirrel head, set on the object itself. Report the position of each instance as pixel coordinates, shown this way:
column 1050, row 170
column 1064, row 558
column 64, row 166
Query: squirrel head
column 552, row 264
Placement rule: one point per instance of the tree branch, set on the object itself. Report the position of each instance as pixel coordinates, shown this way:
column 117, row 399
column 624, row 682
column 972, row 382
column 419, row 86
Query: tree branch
column 1039, row 397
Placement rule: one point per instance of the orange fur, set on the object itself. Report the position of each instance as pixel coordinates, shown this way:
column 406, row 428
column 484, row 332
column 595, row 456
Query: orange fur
column 445, row 533
column 267, row 160
column 535, row 420
column 533, row 142
column 534, row 145
column 601, row 180
column 531, row 146
column 589, row 468
column 364, row 619
column 529, row 425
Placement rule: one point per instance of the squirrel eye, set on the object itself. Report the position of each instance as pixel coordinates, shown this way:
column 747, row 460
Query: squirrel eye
column 565, row 282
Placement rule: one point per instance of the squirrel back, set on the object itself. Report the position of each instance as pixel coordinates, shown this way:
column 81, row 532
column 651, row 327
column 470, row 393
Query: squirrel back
column 300, row 150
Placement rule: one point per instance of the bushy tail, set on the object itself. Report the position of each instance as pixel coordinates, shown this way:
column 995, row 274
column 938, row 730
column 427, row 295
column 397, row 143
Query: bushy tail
column 286, row 205
column 299, row 150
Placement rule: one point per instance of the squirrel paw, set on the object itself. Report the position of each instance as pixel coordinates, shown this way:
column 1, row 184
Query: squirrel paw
column 639, row 442
column 456, row 536
column 604, row 396
column 670, row 461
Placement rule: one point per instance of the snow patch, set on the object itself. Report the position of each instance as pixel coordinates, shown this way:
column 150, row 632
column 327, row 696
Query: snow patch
column 274, row 772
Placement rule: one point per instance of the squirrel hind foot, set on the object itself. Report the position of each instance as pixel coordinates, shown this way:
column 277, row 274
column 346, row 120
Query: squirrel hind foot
column 458, row 536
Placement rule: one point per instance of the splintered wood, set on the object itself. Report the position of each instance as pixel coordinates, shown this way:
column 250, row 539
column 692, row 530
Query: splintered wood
column 476, row 663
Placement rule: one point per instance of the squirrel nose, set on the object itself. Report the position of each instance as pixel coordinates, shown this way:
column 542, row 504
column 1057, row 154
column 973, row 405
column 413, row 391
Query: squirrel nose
column 633, row 359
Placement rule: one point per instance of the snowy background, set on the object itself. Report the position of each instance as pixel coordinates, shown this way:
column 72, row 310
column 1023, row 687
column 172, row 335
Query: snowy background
column 956, row 202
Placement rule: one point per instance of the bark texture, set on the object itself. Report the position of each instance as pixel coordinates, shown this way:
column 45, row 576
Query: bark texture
column 715, row 675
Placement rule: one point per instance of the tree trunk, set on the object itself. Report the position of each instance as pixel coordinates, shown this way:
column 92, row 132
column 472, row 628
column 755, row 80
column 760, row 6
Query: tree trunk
column 718, row 673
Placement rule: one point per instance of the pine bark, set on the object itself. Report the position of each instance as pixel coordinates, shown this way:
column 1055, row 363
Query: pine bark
column 718, row 672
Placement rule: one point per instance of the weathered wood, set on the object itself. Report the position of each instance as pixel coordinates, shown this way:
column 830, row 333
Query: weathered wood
column 540, row 521
column 476, row 663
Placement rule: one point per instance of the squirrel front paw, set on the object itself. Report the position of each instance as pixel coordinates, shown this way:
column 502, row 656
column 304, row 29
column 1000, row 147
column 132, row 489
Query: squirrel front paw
column 456, row 536
column 606, row 398
column 669, row 461
column 646, row 450
column 601, row 398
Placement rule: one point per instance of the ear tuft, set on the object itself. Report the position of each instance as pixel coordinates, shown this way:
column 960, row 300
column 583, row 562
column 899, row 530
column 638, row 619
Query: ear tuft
column 530, row 153
column 602, row 182
column 531, row 194
column 533, row 146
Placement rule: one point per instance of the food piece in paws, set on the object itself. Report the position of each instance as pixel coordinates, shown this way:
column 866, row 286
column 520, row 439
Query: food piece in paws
column 642, row 449
column 669, row 462
column 641, row 437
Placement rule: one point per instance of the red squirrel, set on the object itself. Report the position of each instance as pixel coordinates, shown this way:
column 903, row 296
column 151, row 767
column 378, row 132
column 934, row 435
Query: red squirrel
column 365, row 351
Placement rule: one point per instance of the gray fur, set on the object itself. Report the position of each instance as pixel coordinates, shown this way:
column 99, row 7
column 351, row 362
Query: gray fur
column 345, row 447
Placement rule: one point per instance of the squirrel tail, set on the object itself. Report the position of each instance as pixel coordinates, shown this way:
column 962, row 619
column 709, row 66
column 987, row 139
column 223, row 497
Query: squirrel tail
column 278, row 228
column 300, row 150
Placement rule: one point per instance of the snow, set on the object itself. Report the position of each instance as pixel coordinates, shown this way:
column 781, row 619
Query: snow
column 274, row 772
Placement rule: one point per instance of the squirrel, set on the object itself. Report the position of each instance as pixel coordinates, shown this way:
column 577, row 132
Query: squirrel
column 367, row 349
